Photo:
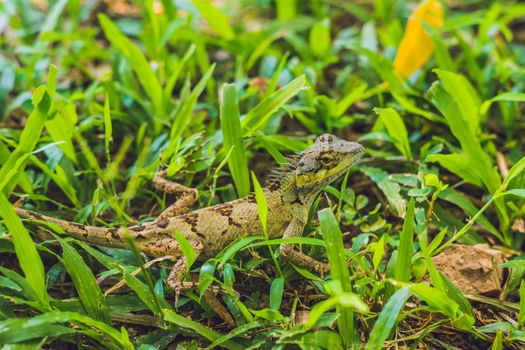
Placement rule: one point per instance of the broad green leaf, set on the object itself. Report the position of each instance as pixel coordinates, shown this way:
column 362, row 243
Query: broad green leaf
column 455, row 294
column 435, row 298
column 268, row 314
column 390, row 188
column 286, row 9
column 460, row 88
column 206, row 275
column 459, row 164
column 17, row 330
column 319, row 339
column 276, row 293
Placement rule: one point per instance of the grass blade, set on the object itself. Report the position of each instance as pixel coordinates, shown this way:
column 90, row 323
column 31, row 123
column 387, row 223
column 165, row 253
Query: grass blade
column 21, row 329
column 85, row 283
column 262, row 205
column 387, row 319
column 108, row 129
column 259, row 115
column 396, row 129
column 231, row 130
column 149, row 81
column 172, row 317
column 30, row 135
column 521, row 316
column 215, row 18
column 405, row 250
column 25, row 250
column 337, row 260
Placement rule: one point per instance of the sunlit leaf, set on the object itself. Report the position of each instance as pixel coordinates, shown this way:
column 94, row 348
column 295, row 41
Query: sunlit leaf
column 417, row 46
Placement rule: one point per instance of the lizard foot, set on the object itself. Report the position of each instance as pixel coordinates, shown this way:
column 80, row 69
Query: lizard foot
column 209, row 295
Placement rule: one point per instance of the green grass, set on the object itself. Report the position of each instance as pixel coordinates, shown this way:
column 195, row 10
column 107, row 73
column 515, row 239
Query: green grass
column 93, row 102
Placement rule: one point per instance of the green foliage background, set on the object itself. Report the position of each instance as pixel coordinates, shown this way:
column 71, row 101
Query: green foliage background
column 94, row 98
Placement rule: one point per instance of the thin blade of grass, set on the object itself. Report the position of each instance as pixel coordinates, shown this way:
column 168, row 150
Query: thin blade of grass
column 387, row 319
column 29, row 138
column 179, row 321
column 396, row 129
column 108, row 129
column 21, row 329
column 231, row 130
column 25, row 250
column 406, row 240
column 187, row 105
column 85, row 283
column 262, row 205
column 215, row 18
column 187, row 250
column 140, row 64
column 521, row 315
column 259, row 115
column 338, row 267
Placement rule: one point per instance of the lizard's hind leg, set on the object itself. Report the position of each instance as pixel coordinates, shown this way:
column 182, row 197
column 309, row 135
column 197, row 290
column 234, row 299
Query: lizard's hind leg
column 188, row 196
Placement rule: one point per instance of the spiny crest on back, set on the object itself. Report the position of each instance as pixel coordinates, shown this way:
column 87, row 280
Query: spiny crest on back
column 279, row 174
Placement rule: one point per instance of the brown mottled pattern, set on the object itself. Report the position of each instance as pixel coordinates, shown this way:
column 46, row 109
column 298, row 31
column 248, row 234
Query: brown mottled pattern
column 289, row 196
column 215, row 227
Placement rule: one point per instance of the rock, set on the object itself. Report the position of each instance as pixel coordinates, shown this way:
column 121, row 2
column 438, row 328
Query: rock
column 473, row 269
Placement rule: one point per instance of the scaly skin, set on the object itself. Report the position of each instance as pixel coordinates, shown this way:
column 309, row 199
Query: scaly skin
column 289, row 195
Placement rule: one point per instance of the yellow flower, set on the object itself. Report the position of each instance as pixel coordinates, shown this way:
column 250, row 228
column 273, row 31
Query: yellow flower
column 416, row 46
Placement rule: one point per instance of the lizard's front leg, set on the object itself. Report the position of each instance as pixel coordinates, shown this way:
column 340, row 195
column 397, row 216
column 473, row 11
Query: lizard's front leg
column 295, row 229
column 188, row 196
column 175, row 282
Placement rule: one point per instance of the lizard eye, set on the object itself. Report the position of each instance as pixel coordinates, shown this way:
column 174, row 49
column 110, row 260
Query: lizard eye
column 326, row 159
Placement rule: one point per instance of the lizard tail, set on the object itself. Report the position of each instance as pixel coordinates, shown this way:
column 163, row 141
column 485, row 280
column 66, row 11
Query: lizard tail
column 91, row 234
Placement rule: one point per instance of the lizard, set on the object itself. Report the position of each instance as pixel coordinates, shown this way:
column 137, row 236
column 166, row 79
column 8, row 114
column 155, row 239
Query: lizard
column 289, row 194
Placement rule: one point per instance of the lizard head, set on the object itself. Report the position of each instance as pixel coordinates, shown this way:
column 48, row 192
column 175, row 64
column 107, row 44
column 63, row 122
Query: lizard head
column 322, row 163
